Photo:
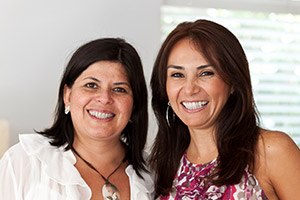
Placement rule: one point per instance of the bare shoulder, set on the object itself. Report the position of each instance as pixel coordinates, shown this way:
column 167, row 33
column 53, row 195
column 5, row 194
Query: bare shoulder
column 275, row 143
column 278, row 149
column 279, row 158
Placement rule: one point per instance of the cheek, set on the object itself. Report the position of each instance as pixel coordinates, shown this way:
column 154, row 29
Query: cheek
column 78, row 99
column 219, row 90
column 169, row 93
column 126, row 104
column 170, row 89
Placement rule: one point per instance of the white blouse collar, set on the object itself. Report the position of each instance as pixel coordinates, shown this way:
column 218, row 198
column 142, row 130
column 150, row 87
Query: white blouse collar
column 59, row 164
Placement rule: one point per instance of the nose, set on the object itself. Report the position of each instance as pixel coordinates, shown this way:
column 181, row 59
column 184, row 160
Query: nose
column 191, row 87
column 104, row 96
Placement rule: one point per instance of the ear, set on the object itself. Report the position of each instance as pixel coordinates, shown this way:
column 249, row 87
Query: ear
column 67, row 95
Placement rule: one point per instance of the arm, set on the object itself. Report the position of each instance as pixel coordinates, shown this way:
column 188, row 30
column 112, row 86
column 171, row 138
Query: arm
column 283, row 165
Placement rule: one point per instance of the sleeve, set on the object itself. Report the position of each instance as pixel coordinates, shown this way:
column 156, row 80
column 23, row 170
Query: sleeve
column 8, row 181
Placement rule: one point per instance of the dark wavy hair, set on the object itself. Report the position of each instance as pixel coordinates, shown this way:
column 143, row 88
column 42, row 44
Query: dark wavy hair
column 237, row 126
column 106, row 49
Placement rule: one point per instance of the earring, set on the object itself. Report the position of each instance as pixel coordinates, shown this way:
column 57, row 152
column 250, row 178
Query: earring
column 67, row 110
column 231, row 90
column 124, row 139
column 167, row 115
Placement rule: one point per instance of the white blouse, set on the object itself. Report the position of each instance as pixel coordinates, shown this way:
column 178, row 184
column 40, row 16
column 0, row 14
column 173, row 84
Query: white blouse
column 35, row 170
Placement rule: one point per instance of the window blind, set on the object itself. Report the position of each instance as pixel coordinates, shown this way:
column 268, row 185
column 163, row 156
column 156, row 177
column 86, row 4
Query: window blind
column 272, row 45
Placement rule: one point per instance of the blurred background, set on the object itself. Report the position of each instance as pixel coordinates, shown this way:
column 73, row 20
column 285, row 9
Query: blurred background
column 37, row 39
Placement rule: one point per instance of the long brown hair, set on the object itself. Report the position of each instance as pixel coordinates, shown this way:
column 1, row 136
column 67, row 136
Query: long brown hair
column 237, row 125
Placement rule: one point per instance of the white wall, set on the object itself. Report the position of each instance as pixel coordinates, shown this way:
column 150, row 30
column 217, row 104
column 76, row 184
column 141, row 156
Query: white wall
column 37, row 38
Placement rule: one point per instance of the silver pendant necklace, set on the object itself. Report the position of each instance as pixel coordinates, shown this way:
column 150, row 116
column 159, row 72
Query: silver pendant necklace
column 109, row 190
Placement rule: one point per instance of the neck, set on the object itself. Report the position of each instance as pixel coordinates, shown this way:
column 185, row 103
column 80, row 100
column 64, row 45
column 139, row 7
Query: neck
column 101, row 154
column 202, row 147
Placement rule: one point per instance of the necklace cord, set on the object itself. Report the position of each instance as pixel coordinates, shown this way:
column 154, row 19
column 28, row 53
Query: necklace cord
column 92, row 167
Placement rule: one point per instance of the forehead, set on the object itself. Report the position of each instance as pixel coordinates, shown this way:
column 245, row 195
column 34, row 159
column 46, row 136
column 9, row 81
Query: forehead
column 107, row 69
column 185, row 52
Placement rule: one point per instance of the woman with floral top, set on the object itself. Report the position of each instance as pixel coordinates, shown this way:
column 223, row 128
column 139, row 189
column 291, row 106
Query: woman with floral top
column 209, row 143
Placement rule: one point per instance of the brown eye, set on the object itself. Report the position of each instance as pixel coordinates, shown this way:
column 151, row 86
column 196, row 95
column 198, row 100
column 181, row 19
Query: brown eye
column 120, row 90
column 91, row 85
column 177, row 75
column 207, row 73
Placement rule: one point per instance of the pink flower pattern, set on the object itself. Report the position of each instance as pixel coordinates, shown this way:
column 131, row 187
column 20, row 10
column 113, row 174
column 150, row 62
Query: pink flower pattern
column 190, row 184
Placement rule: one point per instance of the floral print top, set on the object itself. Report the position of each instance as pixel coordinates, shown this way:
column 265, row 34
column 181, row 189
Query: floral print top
column 189, row 184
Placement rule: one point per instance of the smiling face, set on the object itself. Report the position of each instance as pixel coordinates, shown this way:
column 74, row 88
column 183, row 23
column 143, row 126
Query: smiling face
column 196, row 92
column 100, row 101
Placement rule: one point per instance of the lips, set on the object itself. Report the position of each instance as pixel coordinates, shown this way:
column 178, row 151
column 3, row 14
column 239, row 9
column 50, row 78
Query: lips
column 194, row 105
column 101, row 115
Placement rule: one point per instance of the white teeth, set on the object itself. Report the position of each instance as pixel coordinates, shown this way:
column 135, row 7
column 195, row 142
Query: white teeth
column 101, row 115
column 194, row 105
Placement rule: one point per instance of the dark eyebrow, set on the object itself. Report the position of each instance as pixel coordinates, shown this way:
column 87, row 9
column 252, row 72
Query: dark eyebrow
column 117, row 83
column 204, row 66
column 122, row 83
column 175, row 67
column 92, row 78
column 180, row 67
